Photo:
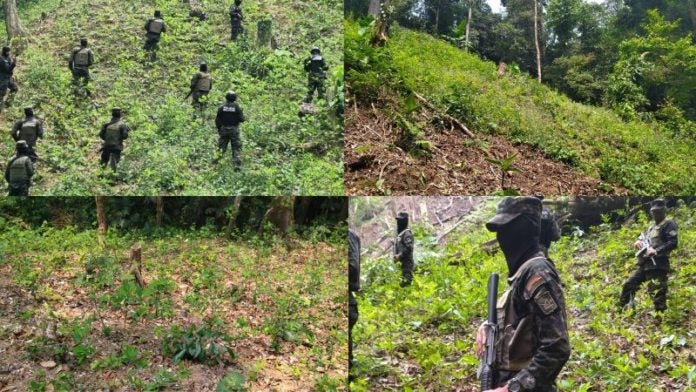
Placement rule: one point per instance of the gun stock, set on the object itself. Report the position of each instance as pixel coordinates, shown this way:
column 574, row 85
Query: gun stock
column 491, row 327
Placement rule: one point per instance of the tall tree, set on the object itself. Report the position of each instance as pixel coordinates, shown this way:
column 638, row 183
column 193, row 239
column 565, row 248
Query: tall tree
column 468, row 23
column 101, row 215
column 374, row 8
column 12, row 21
column 536, row 38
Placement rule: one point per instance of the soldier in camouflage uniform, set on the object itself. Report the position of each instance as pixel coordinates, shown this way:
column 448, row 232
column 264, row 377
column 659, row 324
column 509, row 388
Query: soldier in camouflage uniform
column 29, row 129
column 19, row 171
column 81, row 59
column 653, row 262
column 7, row 66
column 403, row 248
column 113, row 134
column 316, row 67
column 201, row 84
column 236, row 18
column 229, row 116
column 353, row 286
column 550, row 232
column 154, row 29
column 532, row 337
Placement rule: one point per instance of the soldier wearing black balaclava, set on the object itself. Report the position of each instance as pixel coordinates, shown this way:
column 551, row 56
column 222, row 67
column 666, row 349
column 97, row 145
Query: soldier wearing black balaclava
column 236, row 19
column 113, row 134
column 19, row 171
column 7, row 66
column 653, row 261
column 532, row 343
column 30, row 129
column 227, row 121
column 154, row 28
column 316, row 68
column 403, row 248
column 81, row 59
column 353, row 286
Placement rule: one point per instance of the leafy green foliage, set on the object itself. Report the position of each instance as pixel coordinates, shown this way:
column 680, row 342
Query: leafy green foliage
column 196, row 343
column 422, row 337
column 233, row 382
column 171, row 149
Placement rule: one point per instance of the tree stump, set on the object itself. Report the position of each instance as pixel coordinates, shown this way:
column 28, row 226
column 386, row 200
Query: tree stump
column 264, row 32
column 136, row 265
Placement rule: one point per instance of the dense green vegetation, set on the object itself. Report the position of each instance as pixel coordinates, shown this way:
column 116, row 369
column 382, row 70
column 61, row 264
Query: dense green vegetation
column 647, row 157
column 422, row 337
column 171, row 150
column 255, row 313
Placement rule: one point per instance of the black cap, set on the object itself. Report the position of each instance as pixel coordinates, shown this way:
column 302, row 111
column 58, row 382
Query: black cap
column 658, row 204
column 28, row 111
column 116, row 112
column 513, row 207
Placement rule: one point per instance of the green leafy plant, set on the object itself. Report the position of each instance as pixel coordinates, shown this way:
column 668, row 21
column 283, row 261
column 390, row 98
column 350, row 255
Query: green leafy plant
column 197, row 343
column 506, row 166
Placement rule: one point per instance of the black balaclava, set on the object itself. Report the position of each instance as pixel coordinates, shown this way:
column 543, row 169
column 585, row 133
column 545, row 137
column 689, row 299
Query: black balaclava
column 5, row 50
column 28, row 112
column 519, row 241
column 83, row 42
column 158, row 14
column 658, row 214
column 116, row 113
column 204, row 68
column 401, row 222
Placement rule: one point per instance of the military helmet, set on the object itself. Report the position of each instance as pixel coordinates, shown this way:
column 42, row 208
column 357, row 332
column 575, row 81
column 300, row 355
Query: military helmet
column 116, row 112
column 658, row 204
column 512, row 207
column 28, row 111
column 315, row 50
column 231, row 96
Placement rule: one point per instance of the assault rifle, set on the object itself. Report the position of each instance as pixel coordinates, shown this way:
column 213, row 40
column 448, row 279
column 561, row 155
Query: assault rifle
column 644, row 245
column 487, row 375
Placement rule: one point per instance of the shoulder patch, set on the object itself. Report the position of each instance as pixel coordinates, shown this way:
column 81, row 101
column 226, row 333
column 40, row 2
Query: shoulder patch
column 545, row 302
column 533, row 284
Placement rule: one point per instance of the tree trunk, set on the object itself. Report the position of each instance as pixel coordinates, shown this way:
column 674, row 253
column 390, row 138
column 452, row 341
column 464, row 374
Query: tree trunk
column 692, row 14
column 233, row 214
column 159, row 207
column 373, row 9
column 382, row 25
column 280, row 214
column 437, row 18
column 468, row 26
column 264, row 32
column 536, row 39
column 101, row 215
column 136, row 261
column 12, row 21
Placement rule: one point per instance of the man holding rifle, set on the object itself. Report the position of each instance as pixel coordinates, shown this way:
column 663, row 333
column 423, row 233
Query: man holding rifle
column 530, row 336
column 654, row 247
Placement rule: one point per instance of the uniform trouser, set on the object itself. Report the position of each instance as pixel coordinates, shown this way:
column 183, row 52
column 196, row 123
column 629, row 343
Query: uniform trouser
column 352, row 319
column 19, row 189
column 110, row 156
column 80, row 76
column 237, row 29
column 230, row 135
column 315, row 84
column 196, row 97
column 406, row 271
column 504, row 376
column 7, row 84
column 151, row 42
column 32, row 154
column 657, row 287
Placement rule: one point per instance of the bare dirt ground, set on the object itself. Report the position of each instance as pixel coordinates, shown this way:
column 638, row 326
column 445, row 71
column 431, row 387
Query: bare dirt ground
column 458, row 164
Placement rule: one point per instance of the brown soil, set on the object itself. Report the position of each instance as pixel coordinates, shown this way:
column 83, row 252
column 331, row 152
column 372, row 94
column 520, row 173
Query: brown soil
column 458, row 164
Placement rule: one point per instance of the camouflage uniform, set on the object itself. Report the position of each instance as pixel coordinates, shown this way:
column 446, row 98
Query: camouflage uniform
column 229, row 116
column 316, row 67
column 532, row 338
column 7, row 66
column 113, row 134
column 403, row 248
column 662, row 237
column 236, row 18
column 201, row 84
column 154, row 28
column 19, row 171
column 353, row 286
column 30, row 129
column 81, row 59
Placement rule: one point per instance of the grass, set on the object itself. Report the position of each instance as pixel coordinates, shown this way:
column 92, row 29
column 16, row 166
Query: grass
column 644, row 157
column 422, row 337
column 171, row 151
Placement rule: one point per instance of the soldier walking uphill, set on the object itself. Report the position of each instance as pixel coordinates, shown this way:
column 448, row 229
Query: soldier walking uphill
column 531, row 339
column 229, row 116
column 19, row 171
column 7, row 66
column 403, row 248
column 113, row 134
column 353, row 286
column 201, row 84
column 29, row 129
column 236, row 19
column 81, row 59
column 154, row 29
column 316, row 68
column 654, row 247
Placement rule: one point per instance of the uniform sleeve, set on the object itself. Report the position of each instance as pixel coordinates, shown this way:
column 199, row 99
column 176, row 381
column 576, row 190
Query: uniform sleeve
column 102, row 132
column 15, row 128
column 194, row 81
column 124, row 131
column 91, row 58
column 30, row 168
column 324, row 66
column 306, row 64
column 7, row 172
column 547, row 305
column 669, row 237
column 408, row 244
column 218, row 118
column 164, row 27
column 147, row 26
column 40, row 132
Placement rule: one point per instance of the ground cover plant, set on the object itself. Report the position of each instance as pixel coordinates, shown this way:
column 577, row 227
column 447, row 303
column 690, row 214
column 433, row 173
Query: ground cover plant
column 421, row 338
column 562, row 146
column 200, row 311
column 171, row 149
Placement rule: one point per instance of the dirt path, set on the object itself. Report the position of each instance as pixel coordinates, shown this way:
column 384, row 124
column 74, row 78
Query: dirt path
column 458, row 165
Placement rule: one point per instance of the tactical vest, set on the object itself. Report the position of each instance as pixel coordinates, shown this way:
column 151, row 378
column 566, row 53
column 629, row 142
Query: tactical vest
column 112, row 136
column 156, row 26
column 18, row 170
column 316, row 65
column 654, row 234
column 205, row 82
column 400, row 246
column 82, row 57
column 29, row 131
column 516, row 341
column 230, row 115
column 236, row 14
column 6, row 69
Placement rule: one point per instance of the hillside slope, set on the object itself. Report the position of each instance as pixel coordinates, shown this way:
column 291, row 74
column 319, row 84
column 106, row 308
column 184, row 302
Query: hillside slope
column 422, row 337
column 170, row 151
column 601, row 150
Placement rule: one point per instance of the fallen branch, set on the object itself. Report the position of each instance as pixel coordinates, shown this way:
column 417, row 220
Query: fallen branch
column 449, row 118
